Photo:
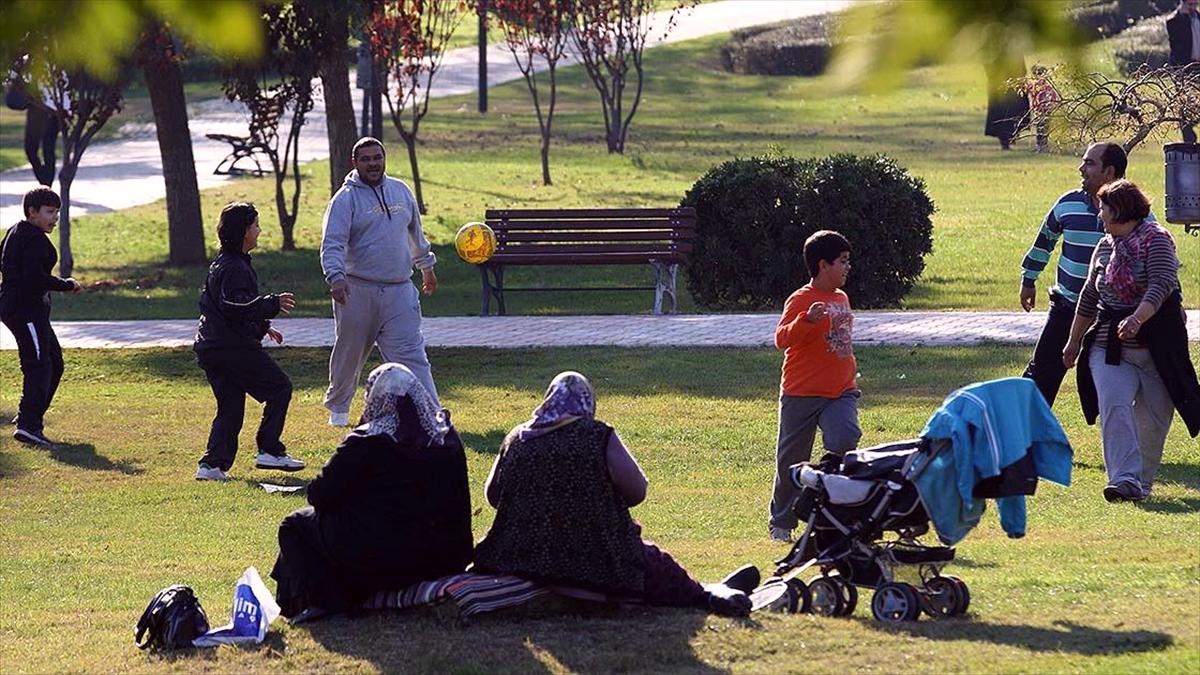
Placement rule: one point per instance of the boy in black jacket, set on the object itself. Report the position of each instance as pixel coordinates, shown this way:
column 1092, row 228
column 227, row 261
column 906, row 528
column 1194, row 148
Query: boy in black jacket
column 234, row 318
column 26, row 260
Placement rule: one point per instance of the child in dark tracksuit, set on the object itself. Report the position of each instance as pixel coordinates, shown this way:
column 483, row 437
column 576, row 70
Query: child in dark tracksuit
column 234, row 319
column 27, row 258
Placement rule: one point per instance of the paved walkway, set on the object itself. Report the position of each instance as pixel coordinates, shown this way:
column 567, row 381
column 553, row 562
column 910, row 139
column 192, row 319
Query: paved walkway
column 128, row 172
column 686, row 330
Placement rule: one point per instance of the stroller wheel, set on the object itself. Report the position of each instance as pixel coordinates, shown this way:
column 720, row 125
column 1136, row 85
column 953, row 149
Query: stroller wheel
column 801, row 597
column 964, row 594
column 849, row 594
column 826, row 596
column 896, row 601
column 942, row 597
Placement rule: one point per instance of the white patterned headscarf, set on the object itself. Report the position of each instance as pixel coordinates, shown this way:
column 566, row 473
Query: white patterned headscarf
column 386, row 385
column 568, row 398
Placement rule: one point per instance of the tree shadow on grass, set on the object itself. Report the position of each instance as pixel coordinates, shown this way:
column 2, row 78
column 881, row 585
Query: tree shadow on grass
column 487, row 443
column 416, row 640
column 1067, row 636
column 83, row 455
column 1187, row 475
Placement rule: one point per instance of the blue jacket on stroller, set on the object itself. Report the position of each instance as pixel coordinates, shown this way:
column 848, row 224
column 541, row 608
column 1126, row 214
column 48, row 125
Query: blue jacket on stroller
column 1000, row 431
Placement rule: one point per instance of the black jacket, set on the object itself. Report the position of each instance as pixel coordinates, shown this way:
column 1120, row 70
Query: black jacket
column 1179, row 35
column 392, row 514
column 1165, row 335
column 26, row 260
column 232, row 313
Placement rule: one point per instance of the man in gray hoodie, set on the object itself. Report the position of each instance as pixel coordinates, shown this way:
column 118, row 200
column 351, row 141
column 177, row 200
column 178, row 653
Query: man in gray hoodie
column 371, row 240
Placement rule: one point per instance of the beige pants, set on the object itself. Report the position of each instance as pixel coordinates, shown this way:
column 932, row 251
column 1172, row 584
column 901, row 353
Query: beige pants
column 388, row 315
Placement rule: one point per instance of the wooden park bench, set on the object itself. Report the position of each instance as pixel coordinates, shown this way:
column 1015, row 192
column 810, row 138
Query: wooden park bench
column 264, row 126
column 660, row 237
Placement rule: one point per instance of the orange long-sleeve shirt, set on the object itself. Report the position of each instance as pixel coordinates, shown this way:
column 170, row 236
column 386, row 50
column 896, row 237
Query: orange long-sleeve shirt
column 818, row 359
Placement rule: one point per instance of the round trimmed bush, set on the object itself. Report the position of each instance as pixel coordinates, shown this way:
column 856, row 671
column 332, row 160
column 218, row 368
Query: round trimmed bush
column 753, row 215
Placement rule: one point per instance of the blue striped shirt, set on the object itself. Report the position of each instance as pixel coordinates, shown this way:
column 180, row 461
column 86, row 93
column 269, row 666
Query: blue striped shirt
column 1075, row 219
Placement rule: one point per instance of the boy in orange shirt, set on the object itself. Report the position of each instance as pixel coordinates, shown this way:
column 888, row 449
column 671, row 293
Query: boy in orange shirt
column 818, row 388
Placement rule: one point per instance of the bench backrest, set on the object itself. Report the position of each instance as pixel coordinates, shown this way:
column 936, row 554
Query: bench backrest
column 591, row 236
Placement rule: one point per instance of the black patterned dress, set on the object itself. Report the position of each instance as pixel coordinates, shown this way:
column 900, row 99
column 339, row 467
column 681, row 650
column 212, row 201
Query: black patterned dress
column 559, row 518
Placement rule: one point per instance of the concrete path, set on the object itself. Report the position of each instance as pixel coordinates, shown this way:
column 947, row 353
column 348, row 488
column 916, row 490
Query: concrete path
column 686, row 330
column 128, row 172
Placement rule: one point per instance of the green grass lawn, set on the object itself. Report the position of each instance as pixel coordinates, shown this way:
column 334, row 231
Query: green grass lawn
column 91, row 530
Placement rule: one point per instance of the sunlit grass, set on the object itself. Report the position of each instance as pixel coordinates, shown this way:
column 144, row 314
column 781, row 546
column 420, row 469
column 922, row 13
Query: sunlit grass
column 91, row 530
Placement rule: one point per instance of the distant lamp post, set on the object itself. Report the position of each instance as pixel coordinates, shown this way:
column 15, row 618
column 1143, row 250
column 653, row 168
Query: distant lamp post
column 482, row 56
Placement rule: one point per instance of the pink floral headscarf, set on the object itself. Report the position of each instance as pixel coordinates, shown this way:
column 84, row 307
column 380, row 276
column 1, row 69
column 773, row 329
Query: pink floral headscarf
column 1120, row 275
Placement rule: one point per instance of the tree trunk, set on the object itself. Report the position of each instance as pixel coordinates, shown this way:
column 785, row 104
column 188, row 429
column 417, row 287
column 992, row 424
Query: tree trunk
column 66, row 261
column 410, row 140
column 339, row 106
column 546, row 158
column 185, row 224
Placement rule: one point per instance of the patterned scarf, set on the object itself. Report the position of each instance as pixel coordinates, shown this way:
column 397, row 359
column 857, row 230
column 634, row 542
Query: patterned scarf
column 386, row 386
column 568, row 398
column 1120, row 275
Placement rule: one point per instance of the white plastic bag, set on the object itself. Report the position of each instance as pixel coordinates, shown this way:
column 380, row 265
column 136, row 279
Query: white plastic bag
column 253, row 610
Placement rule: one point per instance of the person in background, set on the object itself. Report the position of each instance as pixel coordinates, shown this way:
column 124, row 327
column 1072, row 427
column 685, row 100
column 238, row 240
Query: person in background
column 1183, row 36
column 234, row 319
column 1130, row 339
column 27, row 260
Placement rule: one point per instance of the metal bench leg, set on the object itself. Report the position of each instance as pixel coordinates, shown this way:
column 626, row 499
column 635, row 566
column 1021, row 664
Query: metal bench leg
column 492, row 288
column 664, row 285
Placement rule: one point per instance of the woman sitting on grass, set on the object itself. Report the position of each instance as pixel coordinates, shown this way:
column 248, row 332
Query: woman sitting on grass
column 1134, row 366
column 562, row 487
column 391, row 508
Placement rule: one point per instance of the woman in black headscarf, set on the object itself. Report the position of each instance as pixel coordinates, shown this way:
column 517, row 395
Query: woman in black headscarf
column 391, row 508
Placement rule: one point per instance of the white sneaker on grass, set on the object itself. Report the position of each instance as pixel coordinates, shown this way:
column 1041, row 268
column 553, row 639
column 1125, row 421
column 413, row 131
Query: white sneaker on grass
column 278, row 462
column 206, row 472
column 339, row 419
column 32, row 438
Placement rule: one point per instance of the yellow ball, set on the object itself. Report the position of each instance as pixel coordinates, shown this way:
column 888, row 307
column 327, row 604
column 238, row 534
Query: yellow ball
column 475, row 243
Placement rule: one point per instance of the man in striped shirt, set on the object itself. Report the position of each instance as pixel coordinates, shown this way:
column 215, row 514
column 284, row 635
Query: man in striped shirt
column 1074, row 218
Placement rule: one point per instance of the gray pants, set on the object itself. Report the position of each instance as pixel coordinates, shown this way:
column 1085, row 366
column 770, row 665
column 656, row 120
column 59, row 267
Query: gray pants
column 1135, row 415
column 385, row 314
column 799, row 419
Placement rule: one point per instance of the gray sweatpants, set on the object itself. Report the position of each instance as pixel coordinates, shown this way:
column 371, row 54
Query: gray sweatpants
column 799, row 419
column 1135, row 416
column 385, row 314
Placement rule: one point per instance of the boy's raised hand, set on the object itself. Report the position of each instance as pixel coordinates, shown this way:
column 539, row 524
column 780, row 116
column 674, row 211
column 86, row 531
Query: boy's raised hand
column 816, row 312
column 287, row 302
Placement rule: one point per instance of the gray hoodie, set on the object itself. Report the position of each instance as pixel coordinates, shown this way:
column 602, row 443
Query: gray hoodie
column 373, row 233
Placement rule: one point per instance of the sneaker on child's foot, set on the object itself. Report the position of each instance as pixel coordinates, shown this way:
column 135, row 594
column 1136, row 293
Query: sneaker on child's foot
column 278, row 462
column 206, row 472
column 781, row 535
column 339, row 419
column 32, row 438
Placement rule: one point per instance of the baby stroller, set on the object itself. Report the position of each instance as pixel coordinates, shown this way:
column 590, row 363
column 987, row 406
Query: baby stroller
column 864, row 512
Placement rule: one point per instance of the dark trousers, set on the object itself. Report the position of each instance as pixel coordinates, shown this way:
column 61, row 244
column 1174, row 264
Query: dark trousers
column 232, row 374
column 41, row 135
column 1189, row 133
column 41, row 368
column 1046, row 368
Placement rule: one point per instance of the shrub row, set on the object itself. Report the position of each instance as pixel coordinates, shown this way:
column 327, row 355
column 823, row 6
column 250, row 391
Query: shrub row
column 798, row 47
column 1106, row 18
column 753, row 216
column 1144, row 44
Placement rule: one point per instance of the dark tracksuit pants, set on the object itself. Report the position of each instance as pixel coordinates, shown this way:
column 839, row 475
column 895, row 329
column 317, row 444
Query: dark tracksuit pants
column 41, row 367
column 1046, row 368
column 232, row 374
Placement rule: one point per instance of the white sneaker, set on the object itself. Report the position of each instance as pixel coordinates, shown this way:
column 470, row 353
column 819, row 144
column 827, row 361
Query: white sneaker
column 337, row 419
column 206, row 472
column 32, row 438
column 278, row 462
column 781, row 535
